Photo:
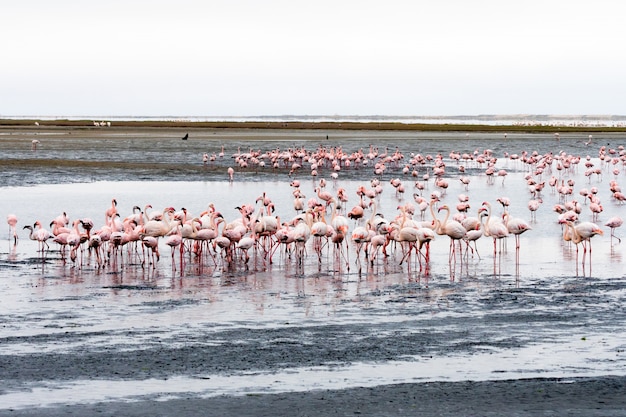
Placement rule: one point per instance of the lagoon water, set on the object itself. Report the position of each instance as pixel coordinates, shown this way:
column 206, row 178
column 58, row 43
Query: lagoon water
column 335, row 324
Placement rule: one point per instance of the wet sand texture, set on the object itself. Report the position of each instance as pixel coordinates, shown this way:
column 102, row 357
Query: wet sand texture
column 519, row 398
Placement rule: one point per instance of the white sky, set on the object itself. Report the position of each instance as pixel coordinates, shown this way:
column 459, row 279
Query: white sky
column 250, row 58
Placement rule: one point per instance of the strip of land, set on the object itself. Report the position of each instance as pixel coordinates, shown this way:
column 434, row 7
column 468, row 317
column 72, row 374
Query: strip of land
column 393, row 126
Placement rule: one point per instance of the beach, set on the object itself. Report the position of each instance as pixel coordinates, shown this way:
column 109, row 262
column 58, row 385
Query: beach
column 542, row 337
column 520, row 398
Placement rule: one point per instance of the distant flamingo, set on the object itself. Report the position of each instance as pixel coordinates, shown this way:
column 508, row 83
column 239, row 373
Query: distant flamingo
column 12, row 221
column 533, row 206
column 356, row 213
column 502, row 173
column 613, row 223
column 324, row 195
column 465, row 181
column 596, row 208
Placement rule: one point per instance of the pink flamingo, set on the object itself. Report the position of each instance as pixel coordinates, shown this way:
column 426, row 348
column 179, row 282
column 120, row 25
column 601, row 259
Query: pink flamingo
column 12, row 221
column 360, row 236
column 516, row 227
column 473, row 235
column 74, row 240
column 596, row 208
column 582, row 233
column 324, row 195
column 319, row 230
column 174, row 240
column 502, row 173
column 533, row 206
column 39, row 234
column 356, row 213
column 159, row 228
column 95, row 244
column 245, row 243
column 152, row 243
column 495, row 228
column 59, row 223
column 338, row 238
column 452, row 228
column 61, row 239
column 613, row 223
column 301, row 234
column 110, row 212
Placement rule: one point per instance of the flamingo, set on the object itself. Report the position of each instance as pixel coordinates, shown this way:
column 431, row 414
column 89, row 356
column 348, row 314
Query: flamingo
column 502, row 173
column 495, row 228
column 338, row 237
column 360, row 236
column 452, row 228
column 152, row 243
column 408, row 231
column 39, row 234
column 581, row 233
column 596, row 208
column 324, row 195
column 111, row 211
column 301, row 234
column 95, row 244
column 174, row 240
column 473, row 235
column 319, row 230
column 58, row 227
column 533, row 206
column 209, row 234
column 244, row 244
column 159, row 228
column 613, row 223
column 12, row 222
column 516, row 227
column 75, row 239
column 356, row 213
column 61, row 239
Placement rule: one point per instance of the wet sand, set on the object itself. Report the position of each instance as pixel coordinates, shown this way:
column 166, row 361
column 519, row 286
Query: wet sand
column 471, row 318
column 519, row 398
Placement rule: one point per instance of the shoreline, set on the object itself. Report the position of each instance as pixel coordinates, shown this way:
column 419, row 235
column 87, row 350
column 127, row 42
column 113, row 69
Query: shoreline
column 301, row 125
column 517, row 398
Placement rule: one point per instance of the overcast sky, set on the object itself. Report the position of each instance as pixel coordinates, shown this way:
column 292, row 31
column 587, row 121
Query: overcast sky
column 251, row 58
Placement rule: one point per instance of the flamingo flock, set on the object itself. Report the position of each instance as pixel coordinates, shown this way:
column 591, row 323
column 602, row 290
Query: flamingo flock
column 334, row 224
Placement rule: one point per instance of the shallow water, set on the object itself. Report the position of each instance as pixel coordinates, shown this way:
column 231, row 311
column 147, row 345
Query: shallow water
column 334, row 324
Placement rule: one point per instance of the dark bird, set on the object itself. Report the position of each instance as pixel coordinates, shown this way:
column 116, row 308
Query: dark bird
column 186, row 136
